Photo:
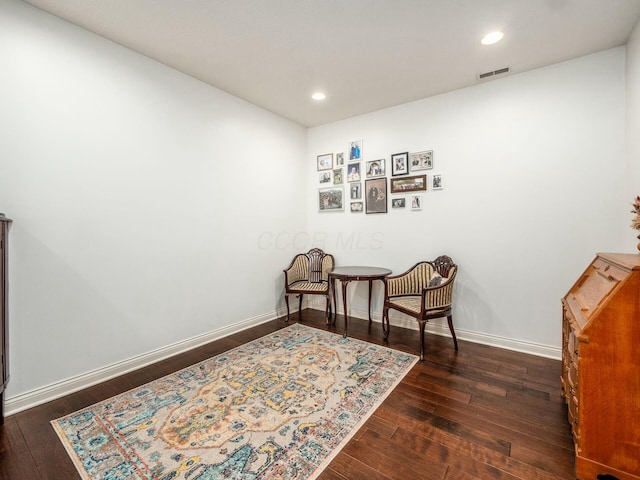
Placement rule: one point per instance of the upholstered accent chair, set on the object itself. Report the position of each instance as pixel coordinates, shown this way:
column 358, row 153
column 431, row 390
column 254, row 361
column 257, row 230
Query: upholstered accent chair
column 308, row 274
column 423, row 292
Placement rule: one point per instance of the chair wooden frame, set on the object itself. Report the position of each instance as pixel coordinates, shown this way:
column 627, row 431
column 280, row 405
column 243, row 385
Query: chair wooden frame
column 299, row 278
column 410, row 293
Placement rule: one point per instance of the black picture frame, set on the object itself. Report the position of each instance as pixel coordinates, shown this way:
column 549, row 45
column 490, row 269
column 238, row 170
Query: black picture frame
column 376, row 195
column 399, row 202
column 399, row 164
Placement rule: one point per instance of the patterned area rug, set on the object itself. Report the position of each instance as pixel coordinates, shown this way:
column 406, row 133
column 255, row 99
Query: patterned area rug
column 280, row 407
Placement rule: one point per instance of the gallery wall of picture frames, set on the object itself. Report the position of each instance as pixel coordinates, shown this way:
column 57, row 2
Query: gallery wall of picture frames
column 346, row 177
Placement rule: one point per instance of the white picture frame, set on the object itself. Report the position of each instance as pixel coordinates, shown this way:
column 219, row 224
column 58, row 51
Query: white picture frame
column 355, row 150
column 353, row 172
column 421, row 161
column 375, row 168
column 338, row 177
column 331, row 199
column 355, row 191
column 436, row 181
column 357, row 207
column 325, row 162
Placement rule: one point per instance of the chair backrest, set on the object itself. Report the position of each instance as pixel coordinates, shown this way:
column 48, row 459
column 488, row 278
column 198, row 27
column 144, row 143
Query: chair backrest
column 315, row 256
column 319, row 265
column 443, row 264
column 313, row 266
column 417, row 278
column 411, row 282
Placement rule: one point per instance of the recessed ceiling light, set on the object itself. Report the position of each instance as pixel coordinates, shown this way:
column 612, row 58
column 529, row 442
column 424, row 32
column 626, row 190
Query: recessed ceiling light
column 318, row 96
column 492, row 38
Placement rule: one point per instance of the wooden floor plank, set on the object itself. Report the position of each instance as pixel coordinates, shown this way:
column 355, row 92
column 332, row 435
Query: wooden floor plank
column 514, row 429
column 15, row 457
column 436, row 444
column 479, row 413
column 476, row 459
column 346, row 467
column 393, row 459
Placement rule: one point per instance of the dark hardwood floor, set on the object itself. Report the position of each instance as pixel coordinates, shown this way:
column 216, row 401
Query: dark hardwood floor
column 481, row 413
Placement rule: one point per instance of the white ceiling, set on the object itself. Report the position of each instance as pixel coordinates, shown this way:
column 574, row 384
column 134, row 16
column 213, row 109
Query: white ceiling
column 365, row 54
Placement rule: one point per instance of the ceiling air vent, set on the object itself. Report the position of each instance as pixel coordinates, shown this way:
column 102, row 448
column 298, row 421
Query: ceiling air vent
column 482, row 76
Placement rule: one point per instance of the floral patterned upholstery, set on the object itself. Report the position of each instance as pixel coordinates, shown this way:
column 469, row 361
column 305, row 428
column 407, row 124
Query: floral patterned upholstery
column 308, row 273
column 411, row 294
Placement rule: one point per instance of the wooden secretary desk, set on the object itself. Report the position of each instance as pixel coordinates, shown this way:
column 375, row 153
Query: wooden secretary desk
column 4, row 311
column 601, row 367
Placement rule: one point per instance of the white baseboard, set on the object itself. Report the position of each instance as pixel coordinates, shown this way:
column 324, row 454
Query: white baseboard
column 399, row 320
column 45, row 394
column 48, row 393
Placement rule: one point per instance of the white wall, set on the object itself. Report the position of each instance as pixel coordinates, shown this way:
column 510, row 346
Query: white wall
column 143, row 201
column 633, row 127
column 533, row 169
column 142, row 198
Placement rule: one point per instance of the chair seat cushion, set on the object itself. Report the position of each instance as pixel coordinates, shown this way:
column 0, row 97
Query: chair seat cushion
column 410, row 304
column 311, row 287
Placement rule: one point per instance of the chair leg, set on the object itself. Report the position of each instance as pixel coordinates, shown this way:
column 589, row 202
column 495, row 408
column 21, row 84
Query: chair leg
column 385, row 322
column 327, row 310
column 453, row 334
column 422, row 325
column 286, row 300
column 300, row 307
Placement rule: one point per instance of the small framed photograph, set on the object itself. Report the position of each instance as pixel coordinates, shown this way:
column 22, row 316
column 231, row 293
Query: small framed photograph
column 325, row 162
column 353, row 172
column 331, row 199
column 339, row 159
column 376, row 195
column 356, row 207
column 355, row 191
column 436, row 181
column 355, row 150
column 421, row 160
column 337, row 176
column 399, row 164
column 399, row 202
column 324, row 177
column 409, row 184
column 375, row 168
column 416, row 202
